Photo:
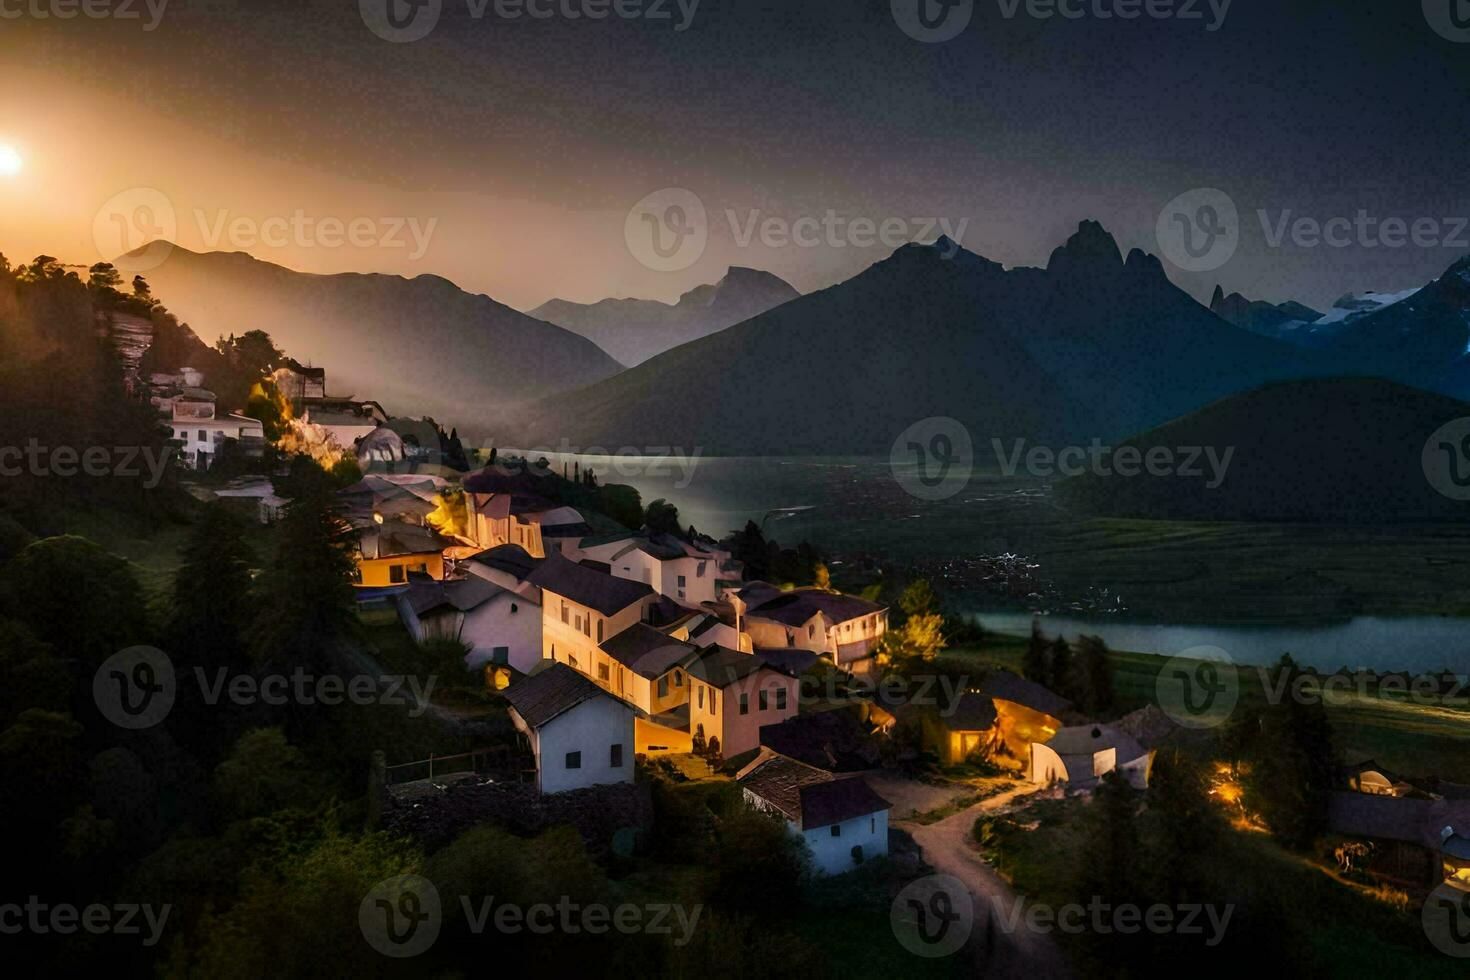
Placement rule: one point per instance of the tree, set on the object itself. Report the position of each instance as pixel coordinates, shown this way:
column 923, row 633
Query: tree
column 262, row 774
column 1095, row 675
column 1294, row 762
column 1059, row 668
column 1036, row 666
column 822, row 577
column 661, row 517
column 1111, row 843
column 103, row 277
column 252, row 353
column 1189, row 822
column 920, row 636
column 748, row 546
column 620, row 502
column 141, row 289
column 307, row 604
column 213, row 592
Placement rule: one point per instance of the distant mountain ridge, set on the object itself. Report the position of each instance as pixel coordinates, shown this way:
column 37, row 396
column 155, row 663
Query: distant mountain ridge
column 633, row 330
column 1092, row 345
column 420, row 346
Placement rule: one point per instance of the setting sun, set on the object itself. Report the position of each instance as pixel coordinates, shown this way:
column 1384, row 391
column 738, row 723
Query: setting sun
column 10, row 161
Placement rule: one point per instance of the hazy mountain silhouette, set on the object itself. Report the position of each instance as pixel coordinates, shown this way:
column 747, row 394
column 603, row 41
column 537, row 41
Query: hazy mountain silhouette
column 1258, row 316
column 633, row 330
column 1092, row 345
column 419, row 346
column 1339, row 450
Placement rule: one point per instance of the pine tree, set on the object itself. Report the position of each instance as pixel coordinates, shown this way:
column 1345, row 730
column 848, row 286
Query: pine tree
column 1095, row 675
column 213, row 603
column 1060, row 676
column 1036, row 665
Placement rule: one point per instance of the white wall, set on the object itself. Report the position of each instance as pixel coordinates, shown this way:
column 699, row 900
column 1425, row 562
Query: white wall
column 591, row 728
column 833, row 855
column 508, row 620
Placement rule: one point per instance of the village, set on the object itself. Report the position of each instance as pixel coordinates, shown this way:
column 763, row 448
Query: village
column 615, row 648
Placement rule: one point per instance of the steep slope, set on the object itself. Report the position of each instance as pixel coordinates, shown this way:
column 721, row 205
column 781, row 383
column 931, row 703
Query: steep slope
column 1090, row 346
column 633, row 330
column 1341, row 451
column 1280, row 321
column 419, row 346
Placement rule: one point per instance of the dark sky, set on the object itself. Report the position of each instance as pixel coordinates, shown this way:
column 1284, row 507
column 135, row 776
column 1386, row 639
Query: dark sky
column 554, row 128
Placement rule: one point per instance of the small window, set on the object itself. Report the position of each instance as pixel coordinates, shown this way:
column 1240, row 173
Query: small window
column 514, row 608
column 837, row 830
column 872, row 825
column 202, row 436
column 602, row 672
column 663, row 686
column 396, row 574
column 617, row 757
column 599, row 631
column 701, row 697
column 500, row 656
column 780, row 699
column 566, row 614
column 712, row 709
column 683, row 581
column 744, row 703
column 678, row 679
column 574, row 760
column 765, row 700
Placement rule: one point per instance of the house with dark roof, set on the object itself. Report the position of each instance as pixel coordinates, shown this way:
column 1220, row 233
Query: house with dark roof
column 581, row 608
column 580, row 734
column 507, row 565
column 844, row 629
column 1416, row 842
column 388, row 552
column 502, row 628
column 690, row 573
column 841, row 819
column 504, row 505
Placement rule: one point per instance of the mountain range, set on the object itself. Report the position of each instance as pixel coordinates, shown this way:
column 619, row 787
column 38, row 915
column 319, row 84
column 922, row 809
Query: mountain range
column 1094, row 344
column 633, row 330
column 421, row 346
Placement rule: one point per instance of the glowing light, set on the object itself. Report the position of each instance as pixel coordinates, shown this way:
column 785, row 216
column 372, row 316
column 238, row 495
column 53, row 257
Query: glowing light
column 10, row 161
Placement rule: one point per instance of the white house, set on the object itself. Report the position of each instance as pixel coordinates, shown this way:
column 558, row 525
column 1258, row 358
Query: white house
column 686, row 572
column 501, row 627
column 841, row 819
column 1083, row 754
column 844, row 629
column 580, row 734
column 202, row 439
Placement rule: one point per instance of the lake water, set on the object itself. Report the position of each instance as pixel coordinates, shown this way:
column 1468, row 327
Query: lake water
column 1415, row 643
column 847, row 505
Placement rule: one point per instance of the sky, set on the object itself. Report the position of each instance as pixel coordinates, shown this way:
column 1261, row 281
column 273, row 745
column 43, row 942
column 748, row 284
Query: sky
column 508, row 153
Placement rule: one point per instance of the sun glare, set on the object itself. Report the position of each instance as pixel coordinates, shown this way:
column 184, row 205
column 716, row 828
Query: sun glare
column 10, row 161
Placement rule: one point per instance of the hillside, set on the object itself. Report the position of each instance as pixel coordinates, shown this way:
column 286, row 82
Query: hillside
column 1345, row 451
column 633, row 330
column 420, row 346
column 1092, row 345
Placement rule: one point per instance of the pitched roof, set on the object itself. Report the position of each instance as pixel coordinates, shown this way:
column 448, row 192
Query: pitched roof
column 647, row 651
column 510, row 558
column 1397, row 818
column 393, row 539
column 799, row 605
column 1090, row 739
column 971, row 713
column 721, row 666
column 553, row 691
column 1002, row 685
column 808, row 796
column 587, row 586
column 426, row 595
column 793, row 660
